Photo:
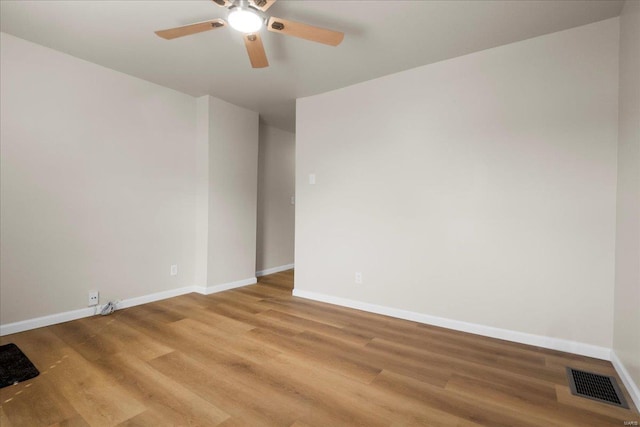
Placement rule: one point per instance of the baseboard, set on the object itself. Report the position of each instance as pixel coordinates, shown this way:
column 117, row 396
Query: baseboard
column 39, row 322
column 488, row 331
column 274, row 270
column 629, row 383
column 145, row 299
column 226, row 286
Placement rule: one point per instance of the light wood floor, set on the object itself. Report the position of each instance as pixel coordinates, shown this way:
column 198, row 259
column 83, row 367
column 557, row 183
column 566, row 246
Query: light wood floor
column 256, row 356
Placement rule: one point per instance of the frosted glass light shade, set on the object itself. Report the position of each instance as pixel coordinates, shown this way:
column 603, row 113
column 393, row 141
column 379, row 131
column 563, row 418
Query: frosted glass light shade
column 244, row 21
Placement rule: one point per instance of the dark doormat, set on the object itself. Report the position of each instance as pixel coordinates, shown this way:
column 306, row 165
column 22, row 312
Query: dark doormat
column 15, row 367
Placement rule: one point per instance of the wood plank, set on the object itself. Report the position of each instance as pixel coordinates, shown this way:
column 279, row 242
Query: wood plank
column 76, row 421
column 250, row 404
column 548, row 412
column 443, row 400
column 340, row 363
column 564, row 396
column 4, row 421
column 94, row 337
column 458, row 363
column 97, row 398
column 161, row 395
column 348, row 337
column 34, row 403
column 351, row 402
column 231, row 342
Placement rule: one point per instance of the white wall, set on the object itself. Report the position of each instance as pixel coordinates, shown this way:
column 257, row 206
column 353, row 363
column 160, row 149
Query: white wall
column 232, row 192
column 626, row 342
column 97, row 183
column 276, row 186
column 108, row 180
column 479, row 189
column 203, row 126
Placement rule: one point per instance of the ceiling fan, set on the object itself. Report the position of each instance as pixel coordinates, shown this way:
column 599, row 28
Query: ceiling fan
column 248, row 17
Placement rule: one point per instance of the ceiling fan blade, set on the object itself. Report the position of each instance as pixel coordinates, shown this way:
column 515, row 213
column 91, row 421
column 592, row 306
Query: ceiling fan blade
column 263, row 5
column 255, row 49
column 304, row 31
column 187, row 30
column 223, row 3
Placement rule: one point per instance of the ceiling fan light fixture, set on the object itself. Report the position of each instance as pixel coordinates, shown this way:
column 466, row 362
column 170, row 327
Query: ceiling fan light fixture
column 244, row 20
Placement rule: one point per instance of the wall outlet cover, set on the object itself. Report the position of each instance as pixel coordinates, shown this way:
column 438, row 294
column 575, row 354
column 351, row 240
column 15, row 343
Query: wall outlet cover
column 94, row 297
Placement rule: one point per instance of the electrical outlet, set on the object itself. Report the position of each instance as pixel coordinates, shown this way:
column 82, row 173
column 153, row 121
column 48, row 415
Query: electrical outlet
column 358, row 278
column 94, row 296
column 174, row 270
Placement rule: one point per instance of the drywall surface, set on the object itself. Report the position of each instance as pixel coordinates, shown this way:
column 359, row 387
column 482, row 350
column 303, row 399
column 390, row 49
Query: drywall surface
column 276, row 187
column 626, row 341
column 232, row 192
column 480, row 189
column 201, row 223
column 97, row 183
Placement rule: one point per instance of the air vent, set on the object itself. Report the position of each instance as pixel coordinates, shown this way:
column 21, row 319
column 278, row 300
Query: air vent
column 596, row 387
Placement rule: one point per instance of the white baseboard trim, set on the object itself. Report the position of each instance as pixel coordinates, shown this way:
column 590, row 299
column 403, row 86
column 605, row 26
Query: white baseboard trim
column 226, row 286
column 39, row 322
column 488, row 331
column 274, row 270
column 631, row 386
column 145, row 299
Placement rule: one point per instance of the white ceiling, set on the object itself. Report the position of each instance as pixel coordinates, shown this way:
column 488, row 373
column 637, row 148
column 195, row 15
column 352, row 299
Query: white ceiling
column 381, row 37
